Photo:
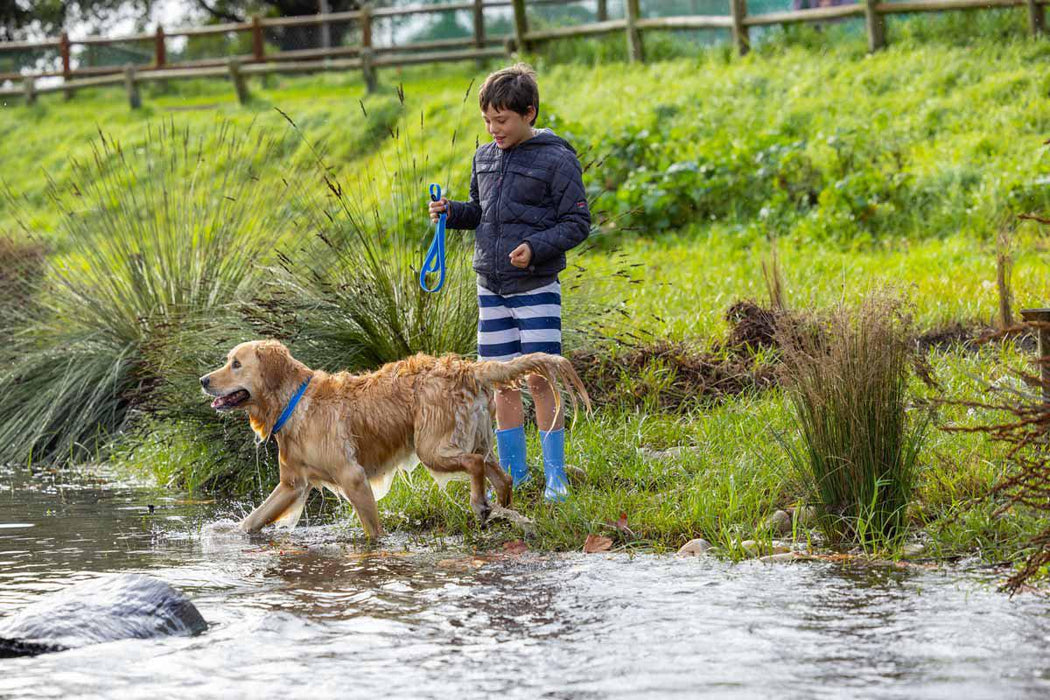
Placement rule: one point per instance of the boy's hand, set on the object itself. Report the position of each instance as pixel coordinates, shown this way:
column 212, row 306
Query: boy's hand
column 521, row 256
column 436, row 208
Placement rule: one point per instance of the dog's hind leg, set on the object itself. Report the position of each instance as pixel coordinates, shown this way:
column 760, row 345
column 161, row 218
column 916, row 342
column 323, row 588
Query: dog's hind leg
column 472, row 464
column 354, row 484
column 501, row 481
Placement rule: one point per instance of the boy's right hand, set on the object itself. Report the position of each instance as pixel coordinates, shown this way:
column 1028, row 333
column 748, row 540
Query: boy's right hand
column 437, row 208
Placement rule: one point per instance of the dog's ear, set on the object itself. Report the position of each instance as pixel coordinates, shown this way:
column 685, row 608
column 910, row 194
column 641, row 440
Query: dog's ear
column 275, row 363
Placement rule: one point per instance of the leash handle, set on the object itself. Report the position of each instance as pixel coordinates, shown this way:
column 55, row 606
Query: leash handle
column 435, row 260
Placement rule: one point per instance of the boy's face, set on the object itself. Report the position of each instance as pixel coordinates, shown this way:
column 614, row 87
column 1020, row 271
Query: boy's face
column 507, row 127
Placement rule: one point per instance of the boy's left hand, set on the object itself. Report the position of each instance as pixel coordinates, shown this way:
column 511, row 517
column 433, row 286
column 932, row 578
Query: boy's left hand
column 521, row 256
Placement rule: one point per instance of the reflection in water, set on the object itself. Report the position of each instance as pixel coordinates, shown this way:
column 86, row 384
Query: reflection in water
column 308, row 614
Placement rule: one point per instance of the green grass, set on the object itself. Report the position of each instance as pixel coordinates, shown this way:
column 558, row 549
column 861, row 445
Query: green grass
column 893, row 167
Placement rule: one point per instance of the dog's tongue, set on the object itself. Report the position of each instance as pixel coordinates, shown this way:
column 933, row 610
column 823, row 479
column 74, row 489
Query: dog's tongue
column 229, row 399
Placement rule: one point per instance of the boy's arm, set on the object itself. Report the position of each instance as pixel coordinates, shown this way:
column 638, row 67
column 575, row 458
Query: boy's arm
column 573, row 220
column 466, row 215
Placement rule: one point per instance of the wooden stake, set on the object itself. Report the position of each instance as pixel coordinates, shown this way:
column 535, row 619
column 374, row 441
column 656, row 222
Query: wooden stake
column 741, row 37
column 634, row 38
column 366, row 27
column 63, row 50
column 368, row 69
column 875, row 25
column 134, row 99
column 1036, row 17
column 521, row 25
column 479, row 28
column 258, row 43
column 29, row 86
column 239, row 82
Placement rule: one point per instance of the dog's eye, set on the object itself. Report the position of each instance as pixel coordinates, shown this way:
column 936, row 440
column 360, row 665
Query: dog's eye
column 236, row 364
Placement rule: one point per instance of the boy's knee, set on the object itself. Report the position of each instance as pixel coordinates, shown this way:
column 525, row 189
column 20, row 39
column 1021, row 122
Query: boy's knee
column 537, row 384
column 507, row 394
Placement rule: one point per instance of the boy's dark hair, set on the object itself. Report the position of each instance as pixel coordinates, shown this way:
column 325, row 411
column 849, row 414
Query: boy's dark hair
column 511, row 88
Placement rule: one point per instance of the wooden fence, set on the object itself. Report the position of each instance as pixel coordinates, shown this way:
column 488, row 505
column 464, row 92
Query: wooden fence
column 367, row 58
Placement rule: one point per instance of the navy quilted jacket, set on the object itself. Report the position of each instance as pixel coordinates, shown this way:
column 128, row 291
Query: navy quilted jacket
column 531, row 193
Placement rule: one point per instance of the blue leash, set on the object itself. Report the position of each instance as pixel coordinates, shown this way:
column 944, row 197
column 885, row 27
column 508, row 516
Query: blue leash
column 435, row 260
column 287, row 412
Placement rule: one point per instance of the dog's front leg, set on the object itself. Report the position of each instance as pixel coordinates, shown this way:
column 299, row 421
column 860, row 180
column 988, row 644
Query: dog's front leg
column 354, row 483
column 283, row 498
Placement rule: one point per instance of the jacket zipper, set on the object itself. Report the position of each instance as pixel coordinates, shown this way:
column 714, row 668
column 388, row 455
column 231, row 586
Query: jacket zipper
column 504, row 158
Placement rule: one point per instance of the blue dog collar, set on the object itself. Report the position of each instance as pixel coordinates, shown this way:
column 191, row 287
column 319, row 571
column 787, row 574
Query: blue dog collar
column 287, row 412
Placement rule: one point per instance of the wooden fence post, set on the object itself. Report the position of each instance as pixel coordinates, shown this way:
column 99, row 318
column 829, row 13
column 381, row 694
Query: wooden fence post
column 741, row 37
column 237, row 77
column 258, row 46
column 521, row 25
column 875, row 25
column 326, row 28
column 160, row 55
column 134, row 99
column 63, row 50
column 603, row 10
column 160, row 51
column 479, row 28
column 634, row 37
column 368, row 69
column 29, row 86
column 1036, row 17
column 366, row 27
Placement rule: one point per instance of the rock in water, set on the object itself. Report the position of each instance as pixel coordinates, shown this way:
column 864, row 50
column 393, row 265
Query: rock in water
column 102, row 610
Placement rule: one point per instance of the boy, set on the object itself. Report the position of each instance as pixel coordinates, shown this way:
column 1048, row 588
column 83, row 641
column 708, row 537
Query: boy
column 529, row 206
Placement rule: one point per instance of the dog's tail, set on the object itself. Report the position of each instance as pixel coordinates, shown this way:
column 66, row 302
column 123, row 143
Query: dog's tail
column 557, row 370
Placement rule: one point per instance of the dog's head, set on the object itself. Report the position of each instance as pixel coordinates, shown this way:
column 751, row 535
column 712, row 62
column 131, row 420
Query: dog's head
column 254, row 374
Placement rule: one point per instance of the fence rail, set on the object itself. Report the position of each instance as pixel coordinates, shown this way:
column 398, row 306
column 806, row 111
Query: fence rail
column 367, row 57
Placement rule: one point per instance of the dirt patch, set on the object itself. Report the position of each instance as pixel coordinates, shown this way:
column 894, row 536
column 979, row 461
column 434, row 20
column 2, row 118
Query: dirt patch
column 673, row 376
column 668, row 376
column 752, row 327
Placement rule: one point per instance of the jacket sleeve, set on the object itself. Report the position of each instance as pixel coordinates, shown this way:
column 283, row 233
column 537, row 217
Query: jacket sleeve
column 573, row 217
column 466, row 215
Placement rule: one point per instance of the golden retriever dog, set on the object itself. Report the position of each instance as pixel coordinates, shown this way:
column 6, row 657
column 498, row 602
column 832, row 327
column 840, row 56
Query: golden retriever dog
column 352, row 433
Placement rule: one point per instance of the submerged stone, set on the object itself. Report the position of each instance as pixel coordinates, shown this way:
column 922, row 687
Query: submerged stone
column 102, row 610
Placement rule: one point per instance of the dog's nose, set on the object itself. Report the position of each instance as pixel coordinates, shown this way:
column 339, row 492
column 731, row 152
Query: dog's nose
column 205, row 380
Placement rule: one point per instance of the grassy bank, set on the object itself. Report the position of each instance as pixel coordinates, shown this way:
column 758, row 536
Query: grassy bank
column 898, row 167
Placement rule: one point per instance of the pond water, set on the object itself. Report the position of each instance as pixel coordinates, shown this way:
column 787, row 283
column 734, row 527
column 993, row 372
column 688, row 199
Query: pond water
column 312, row 614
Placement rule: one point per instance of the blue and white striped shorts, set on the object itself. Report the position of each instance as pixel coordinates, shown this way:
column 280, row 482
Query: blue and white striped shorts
column 510, row 325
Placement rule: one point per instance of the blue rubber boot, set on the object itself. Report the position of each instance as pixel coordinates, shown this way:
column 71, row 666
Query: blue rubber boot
column 557, row 484
column 510, row 443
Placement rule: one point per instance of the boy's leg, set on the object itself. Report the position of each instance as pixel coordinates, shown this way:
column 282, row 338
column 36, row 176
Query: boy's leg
column 539, row 321
column 498, row 339
column 510, row 435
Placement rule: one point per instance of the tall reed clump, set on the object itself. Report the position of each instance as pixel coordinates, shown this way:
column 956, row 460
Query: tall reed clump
column 846, row 377
column 348, row 295
column 165, row 233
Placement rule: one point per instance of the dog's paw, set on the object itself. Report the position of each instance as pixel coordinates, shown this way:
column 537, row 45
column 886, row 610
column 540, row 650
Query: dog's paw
column 482, row 510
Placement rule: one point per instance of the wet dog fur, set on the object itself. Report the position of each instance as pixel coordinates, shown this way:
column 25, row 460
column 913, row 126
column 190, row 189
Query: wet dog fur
column 352, row 433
